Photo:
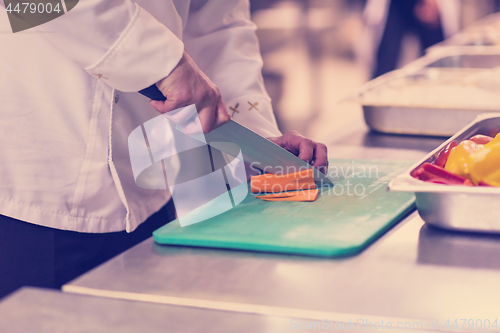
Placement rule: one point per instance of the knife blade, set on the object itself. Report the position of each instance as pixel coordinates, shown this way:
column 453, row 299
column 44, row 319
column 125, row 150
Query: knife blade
column 257, row 151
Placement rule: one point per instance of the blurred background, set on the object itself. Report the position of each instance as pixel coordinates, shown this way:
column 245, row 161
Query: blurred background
column 312, row 51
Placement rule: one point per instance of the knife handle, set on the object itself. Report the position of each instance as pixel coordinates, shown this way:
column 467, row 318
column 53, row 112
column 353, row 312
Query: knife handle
column 152, row 92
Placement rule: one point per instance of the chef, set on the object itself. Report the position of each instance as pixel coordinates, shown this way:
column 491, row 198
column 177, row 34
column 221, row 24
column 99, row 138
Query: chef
column 387, row 22
column 69, row 100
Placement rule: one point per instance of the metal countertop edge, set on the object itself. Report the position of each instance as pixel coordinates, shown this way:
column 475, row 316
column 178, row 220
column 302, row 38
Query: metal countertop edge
column 255, row 309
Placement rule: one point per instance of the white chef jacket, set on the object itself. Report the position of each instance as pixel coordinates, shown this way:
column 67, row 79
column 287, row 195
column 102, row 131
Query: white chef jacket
column 68, row 91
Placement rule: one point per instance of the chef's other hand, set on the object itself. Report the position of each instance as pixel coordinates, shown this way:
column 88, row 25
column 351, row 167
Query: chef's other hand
column 187, row 85
column 314, row 153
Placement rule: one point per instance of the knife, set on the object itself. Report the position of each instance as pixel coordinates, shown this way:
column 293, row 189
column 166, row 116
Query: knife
column 257, row 151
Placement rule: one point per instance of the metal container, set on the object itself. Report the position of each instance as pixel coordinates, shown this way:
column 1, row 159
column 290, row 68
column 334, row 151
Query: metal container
column 487, row 26
column 476, row 40
column 426, row 117
column 459, row 57
column 464, row 208
column 419, row 116
column 484, row 32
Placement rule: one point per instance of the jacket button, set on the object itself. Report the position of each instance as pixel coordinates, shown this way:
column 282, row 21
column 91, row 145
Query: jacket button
column 117, row 98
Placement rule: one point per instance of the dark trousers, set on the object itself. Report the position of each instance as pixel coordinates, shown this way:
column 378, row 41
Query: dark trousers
column 32, row 255
column 401, row 20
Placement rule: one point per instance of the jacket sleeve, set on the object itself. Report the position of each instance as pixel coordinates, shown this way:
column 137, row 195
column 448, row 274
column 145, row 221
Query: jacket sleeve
column 116, row 41
column 221, row 39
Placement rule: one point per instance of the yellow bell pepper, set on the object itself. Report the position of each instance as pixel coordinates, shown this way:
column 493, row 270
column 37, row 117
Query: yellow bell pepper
column 484, row 164
column 496, row 140
column 459, row 158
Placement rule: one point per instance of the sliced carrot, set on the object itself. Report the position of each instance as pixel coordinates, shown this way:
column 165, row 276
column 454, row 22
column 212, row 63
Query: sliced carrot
column 278, row 195
column 302, row 180
column 304, row 195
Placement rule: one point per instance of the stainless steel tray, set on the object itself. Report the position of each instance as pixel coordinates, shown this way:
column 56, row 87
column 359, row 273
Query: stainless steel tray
column 418, row 121
column 487, row 24
column 427, row 117
column 484, row 32
column 456, row 207
column 395, row 113
column 473, row 41
column 459, row 57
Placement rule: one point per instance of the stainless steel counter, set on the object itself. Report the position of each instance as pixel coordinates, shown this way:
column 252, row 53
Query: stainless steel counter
column 47, row 311
column 412, row 274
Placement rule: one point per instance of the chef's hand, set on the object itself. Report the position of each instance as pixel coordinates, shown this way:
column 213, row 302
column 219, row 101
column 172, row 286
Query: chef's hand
column 187, row 85
column 314, row 153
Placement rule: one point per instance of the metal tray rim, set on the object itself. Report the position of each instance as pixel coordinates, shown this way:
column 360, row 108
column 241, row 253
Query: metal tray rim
column 414, row 68
column 450, row 51
column 401, row 73
column 406, row 183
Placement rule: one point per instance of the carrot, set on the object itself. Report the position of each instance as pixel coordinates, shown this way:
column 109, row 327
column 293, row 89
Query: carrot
column 302, row 180
column 303, row 195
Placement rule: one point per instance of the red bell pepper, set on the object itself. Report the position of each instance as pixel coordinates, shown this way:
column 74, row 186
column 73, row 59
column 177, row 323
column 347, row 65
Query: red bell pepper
column 436, row 174
column 481, row 139
column 483, row 183
column 443, row 154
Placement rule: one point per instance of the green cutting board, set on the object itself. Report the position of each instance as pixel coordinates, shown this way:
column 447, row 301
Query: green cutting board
column 342, row 221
